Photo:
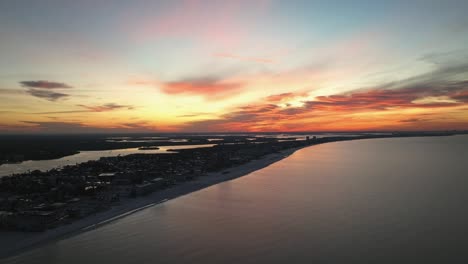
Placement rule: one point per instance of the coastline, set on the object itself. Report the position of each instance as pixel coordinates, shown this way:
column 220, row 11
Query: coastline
column 14, row 242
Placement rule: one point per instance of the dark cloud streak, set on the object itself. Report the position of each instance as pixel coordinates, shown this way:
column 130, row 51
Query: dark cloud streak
column 48, row 95
column 92, row 109
column 45, row 85
column 106, row 107
column 41, row 89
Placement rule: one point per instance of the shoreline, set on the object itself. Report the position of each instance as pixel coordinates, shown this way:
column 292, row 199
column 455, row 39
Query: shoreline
column 15, row 242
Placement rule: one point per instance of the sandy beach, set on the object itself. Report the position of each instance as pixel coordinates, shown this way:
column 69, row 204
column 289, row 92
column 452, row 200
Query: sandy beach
column 14, row 242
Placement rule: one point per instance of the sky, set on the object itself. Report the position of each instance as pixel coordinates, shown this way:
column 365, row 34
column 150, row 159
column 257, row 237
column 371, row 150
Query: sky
column 232, row 66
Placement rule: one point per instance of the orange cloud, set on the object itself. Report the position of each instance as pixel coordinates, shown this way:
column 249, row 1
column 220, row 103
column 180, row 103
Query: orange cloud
column 279, row 98
column 382, row 99
column 210, row 88
column 359, row 110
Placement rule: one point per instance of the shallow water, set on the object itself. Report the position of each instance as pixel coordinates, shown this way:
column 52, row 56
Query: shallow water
column 83, row 156
column 365, row 201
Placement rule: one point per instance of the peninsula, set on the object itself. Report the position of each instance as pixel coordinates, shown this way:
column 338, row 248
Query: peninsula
column 39, row 206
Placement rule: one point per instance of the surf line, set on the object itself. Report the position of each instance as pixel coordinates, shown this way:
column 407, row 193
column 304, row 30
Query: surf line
column 122, row 215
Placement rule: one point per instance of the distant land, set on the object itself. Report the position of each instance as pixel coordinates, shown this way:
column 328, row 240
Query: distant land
column 18, row 148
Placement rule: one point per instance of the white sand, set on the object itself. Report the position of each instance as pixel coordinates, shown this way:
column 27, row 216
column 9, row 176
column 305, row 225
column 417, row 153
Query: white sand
column 15, row 242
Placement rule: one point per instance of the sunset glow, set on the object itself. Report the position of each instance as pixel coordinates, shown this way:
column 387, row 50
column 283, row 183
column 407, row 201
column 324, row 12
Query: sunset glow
column 232, row 66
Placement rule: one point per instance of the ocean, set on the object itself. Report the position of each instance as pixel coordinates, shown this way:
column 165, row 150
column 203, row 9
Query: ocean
column 395, row 200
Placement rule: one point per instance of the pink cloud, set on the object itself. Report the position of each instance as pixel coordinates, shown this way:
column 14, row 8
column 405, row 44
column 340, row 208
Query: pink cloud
column 210, row 88
column 216, row 23
column 243, row 58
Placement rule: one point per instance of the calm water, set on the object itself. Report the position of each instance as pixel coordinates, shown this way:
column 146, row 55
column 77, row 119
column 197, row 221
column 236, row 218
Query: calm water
column 83, row 156
column 368, row 201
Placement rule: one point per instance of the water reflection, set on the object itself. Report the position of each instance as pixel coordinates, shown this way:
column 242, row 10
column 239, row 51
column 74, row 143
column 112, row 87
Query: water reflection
column 83, row 156
column 367, row 201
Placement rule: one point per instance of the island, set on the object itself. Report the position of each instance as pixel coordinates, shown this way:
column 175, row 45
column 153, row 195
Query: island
column 148, row 148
